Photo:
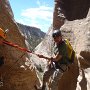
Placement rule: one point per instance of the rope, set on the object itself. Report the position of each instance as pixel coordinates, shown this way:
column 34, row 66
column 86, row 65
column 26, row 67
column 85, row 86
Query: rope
column 16, row 46
column 6, row 73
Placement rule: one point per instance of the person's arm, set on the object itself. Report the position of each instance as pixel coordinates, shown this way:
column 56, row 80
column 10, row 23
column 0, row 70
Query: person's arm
column 41, row 56
column 57, row 57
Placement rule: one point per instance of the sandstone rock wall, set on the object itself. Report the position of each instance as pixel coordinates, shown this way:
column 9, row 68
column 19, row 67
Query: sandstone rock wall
column 14, row 77
column 80, row 42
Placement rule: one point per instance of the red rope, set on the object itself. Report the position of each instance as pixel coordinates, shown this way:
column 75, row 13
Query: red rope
column 16, row 46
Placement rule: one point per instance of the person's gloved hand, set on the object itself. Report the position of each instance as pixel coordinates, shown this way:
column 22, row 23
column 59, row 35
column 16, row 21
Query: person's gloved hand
column 40, row 56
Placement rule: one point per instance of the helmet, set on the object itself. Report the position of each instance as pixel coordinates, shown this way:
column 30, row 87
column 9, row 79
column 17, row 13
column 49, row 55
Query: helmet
column 56, row 33
column 2, row 33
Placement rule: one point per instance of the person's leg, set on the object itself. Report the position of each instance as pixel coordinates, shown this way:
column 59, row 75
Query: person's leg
column 46, row 77
column 57, row 76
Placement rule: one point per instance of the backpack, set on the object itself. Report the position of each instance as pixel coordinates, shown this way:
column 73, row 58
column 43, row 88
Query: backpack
column 71, row 52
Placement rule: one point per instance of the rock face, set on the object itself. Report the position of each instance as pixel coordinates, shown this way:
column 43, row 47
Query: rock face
column 74, row 9
column 77, row 30
column 76, row 27
column 14, row 77
column 33, row 35
column 81, row 32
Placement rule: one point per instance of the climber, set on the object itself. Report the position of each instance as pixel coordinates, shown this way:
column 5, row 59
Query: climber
column 59, row 63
